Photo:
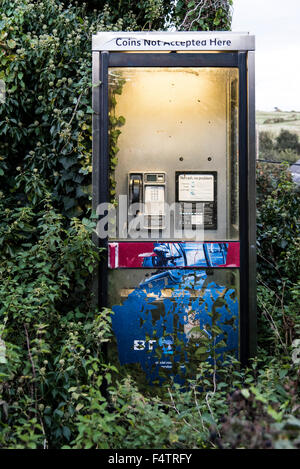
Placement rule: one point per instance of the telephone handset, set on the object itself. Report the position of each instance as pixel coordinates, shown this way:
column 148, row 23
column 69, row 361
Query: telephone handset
column 149, row 190
column 135, row 189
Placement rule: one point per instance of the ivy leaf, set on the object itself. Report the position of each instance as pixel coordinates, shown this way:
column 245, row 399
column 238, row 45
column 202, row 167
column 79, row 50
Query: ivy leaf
column 68, row 202
column 67, row 433
column 11, row 43
column 68, row 162
column 245, row 393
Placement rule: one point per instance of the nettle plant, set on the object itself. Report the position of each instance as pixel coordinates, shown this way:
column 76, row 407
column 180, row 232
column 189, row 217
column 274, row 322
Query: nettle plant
column 52, row 333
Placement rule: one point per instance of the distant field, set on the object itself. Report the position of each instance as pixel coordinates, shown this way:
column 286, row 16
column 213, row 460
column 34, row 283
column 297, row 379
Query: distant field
column 291, row 121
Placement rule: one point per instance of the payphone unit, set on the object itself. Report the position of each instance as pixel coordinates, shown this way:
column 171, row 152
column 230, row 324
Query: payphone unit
column 174, row 165
column 146, row 199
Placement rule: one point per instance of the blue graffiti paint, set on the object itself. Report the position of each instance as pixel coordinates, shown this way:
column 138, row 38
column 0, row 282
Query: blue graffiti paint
column 167, row 345
column 155, row 318
column 186, row 254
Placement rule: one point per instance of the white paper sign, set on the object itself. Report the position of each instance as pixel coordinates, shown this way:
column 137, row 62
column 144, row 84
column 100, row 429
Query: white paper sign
column 197, row 219
column 196, row 188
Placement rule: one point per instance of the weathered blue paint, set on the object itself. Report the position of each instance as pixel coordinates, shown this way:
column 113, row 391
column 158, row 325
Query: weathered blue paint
column 150, row 321
column 184, row 254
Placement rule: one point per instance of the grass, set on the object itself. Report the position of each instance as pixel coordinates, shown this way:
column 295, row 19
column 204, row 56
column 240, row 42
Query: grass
column 290, row 121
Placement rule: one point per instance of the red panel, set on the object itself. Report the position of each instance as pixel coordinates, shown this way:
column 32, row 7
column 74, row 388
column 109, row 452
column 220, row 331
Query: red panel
column 128, row 254
column 136, row 254
column 233, row 255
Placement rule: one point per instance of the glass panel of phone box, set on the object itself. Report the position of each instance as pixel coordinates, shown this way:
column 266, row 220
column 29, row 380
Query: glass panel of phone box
column 174, row 185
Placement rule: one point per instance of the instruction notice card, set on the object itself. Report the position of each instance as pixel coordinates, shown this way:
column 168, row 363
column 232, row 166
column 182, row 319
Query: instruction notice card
column 196, row 188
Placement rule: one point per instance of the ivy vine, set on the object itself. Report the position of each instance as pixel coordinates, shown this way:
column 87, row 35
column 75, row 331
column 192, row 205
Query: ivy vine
column 115, row 122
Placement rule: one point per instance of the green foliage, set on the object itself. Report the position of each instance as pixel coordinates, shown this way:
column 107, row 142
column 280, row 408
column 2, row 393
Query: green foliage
column 278, row 225
column 52, row 333
column 45, row 62
column 146, row 14
column 203, row 15
column 278, row 248
column 285, row 147
column 52, row 378
column 213, row 412
column 265, row 142
column 115, row 123
column 258, row 417
column 287, row 140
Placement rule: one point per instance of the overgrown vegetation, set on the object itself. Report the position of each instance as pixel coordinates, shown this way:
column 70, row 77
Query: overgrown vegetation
column 284, row 147
column 279, row 256
column 52, row 367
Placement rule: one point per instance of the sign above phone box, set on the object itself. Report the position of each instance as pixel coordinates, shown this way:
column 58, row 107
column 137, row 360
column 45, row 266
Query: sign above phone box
column 169, row 41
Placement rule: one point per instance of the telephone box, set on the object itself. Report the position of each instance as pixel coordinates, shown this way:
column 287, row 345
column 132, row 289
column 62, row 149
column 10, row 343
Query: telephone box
column 174, row 190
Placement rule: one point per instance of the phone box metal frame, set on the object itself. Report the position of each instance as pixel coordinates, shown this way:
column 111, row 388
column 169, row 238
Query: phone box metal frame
column 186, row 49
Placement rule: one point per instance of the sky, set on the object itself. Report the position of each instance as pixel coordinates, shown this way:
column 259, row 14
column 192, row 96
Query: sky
column 276, row 25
